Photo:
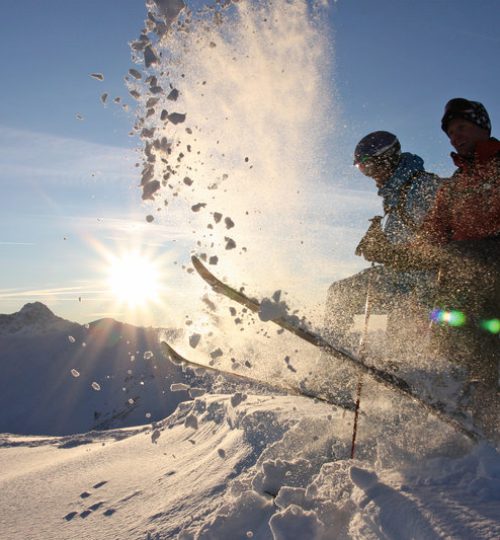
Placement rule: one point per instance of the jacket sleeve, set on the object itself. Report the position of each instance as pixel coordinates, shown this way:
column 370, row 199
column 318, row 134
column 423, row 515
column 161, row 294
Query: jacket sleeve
column 436, row 227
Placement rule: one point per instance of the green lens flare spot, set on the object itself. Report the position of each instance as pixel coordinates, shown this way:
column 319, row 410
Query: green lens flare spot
column 456, row 318
column 491, row 325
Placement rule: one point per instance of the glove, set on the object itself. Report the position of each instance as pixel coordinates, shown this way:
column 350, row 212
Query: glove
column 374, row 245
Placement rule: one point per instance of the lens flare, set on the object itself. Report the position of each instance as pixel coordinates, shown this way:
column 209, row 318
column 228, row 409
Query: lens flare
column 491, row 325
column 452, row 317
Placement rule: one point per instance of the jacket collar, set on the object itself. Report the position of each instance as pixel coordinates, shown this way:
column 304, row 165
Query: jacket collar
column 484, row 151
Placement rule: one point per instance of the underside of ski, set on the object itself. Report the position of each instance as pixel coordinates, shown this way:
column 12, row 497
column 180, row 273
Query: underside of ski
column 386, row 378
column 178, row 359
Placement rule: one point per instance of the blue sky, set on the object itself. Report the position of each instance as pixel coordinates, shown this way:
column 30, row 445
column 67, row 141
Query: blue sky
column 69, row 185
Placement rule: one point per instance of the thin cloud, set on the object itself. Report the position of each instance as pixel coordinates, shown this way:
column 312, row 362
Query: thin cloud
column 112, row 228
column 50, row 292
column 5, row 243
column 61, row 159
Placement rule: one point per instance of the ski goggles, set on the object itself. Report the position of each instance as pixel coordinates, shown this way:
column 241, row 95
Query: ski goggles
column 370, row 165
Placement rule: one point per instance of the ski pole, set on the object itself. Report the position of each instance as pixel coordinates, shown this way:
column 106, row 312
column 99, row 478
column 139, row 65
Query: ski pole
column 361, row 351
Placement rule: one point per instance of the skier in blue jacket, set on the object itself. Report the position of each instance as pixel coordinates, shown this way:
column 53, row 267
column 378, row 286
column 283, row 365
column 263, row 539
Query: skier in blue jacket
column 408, row 193
column 407, row 190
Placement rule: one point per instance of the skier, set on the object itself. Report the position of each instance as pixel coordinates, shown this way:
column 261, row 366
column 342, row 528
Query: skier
column 408, row 192
column 460, row 239
column 465, row 223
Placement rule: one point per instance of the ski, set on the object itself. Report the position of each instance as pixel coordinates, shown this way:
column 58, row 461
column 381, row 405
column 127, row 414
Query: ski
column 389, row 380
column 180, row 360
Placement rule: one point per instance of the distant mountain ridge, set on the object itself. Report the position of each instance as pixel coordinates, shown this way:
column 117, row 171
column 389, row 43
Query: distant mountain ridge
column 58, row 377
column 32, row 317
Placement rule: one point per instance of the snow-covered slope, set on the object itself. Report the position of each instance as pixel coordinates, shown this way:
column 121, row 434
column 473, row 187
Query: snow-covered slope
column 58, row 377
column 244, row 466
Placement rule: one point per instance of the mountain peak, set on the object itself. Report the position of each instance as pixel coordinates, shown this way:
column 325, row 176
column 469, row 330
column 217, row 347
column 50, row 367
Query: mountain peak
column 33, row 316
column 36, row 310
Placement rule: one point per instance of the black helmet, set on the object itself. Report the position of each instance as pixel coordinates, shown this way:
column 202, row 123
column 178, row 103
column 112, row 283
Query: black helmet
column 379, row 146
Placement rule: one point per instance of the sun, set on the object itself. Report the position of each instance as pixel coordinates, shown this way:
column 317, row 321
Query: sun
column 134, row 279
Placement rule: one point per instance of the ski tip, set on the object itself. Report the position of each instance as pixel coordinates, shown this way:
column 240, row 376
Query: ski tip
column 198, row 265
column 171, row 353
column 204, row 272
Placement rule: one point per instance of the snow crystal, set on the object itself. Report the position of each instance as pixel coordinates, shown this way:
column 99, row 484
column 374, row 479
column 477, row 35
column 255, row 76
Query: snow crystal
column 148, row 133
column 150, row 56
column 130, row 401
column 197, row 392
column 136, row 74
column 217, row 353
column 148, row 415
column 169, row 9
column 176, row 118
column 75, row 373
column 179, row 387
column 194, row 339
column 237, row 398
column 270, row 311
column 198, row 207
column 71, row 339
column 96, row 386
column 288, row 365
column 230, row 243
column 191, row 421
column 209, row 303
column 148, row 355
column 174, row 94
column 151, row 102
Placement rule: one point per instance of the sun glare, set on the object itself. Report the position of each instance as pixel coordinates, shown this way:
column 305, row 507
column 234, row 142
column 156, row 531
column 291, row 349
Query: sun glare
column 134, row 279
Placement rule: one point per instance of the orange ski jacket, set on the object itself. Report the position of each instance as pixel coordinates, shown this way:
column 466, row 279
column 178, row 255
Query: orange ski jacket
column 467, row 207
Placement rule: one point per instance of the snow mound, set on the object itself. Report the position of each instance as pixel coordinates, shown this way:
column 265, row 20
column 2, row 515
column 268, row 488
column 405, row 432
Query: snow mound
column 267, row 467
